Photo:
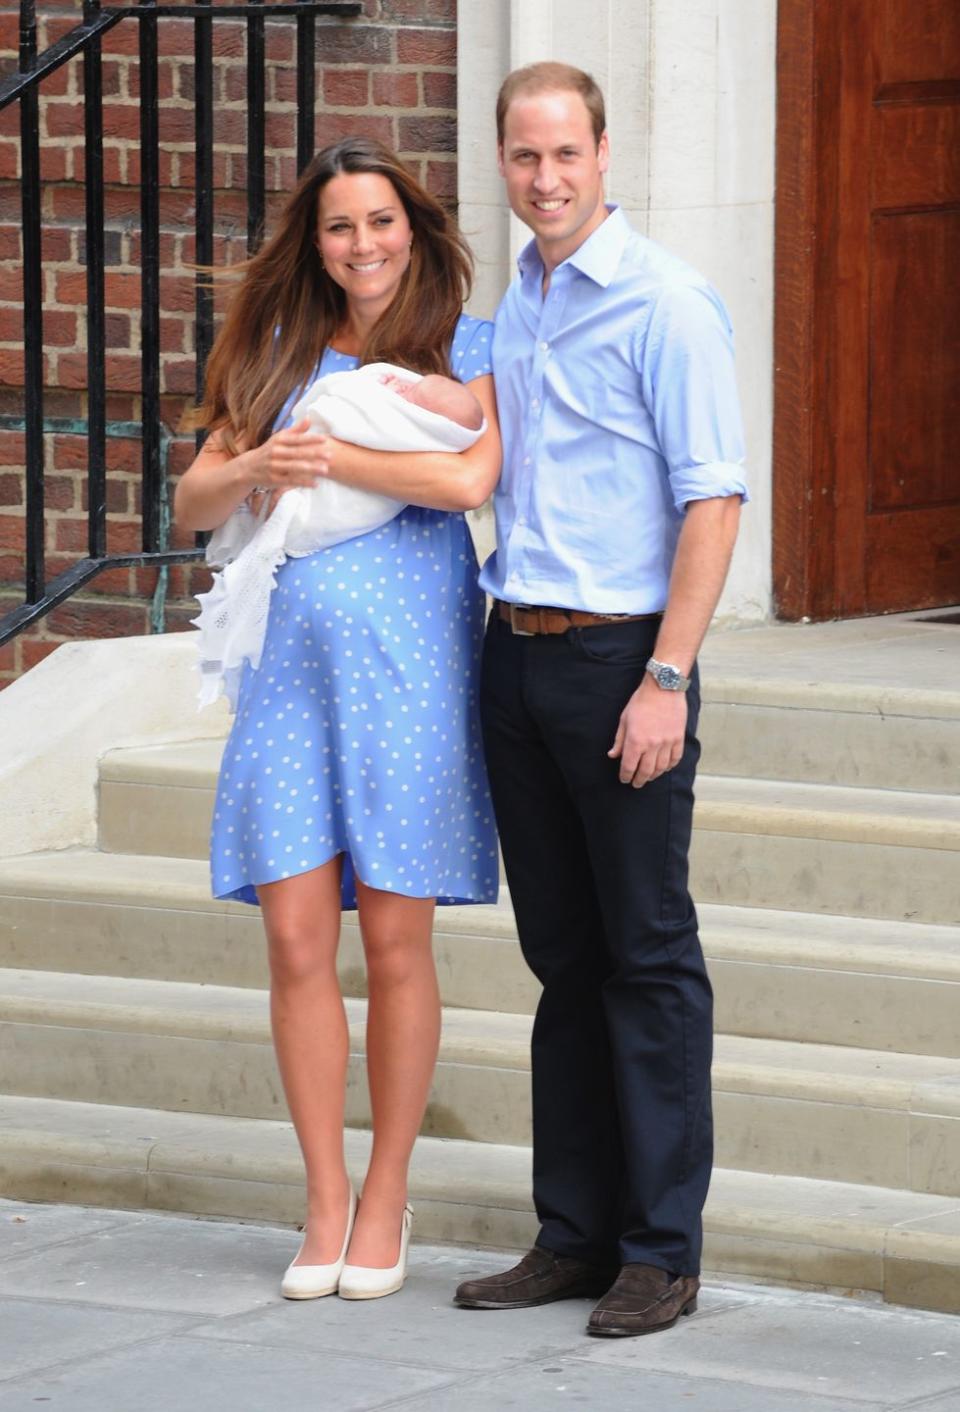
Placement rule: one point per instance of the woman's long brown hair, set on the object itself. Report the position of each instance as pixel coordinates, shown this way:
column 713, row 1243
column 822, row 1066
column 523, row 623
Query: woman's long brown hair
column 287, row 308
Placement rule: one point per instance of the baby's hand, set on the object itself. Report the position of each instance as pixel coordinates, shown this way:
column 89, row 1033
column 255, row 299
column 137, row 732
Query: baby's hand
column 401, row 386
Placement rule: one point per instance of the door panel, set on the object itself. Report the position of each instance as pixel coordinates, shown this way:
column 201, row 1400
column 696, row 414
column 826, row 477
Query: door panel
column 914, row 375
column 904, row 547
column 916, row 152
column 868, row 469
column 917, row 39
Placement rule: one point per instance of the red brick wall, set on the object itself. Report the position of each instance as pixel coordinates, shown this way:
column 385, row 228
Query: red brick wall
column 390, row 73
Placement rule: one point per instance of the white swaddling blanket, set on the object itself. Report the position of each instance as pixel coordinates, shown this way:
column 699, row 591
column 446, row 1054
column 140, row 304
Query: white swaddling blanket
column 352, row 406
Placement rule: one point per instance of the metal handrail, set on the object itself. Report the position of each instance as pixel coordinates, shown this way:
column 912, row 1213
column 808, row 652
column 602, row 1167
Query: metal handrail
column 106, row 16
column 23, row 86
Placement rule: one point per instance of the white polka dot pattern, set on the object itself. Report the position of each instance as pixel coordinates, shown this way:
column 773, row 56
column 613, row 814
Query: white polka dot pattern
column 359, row 732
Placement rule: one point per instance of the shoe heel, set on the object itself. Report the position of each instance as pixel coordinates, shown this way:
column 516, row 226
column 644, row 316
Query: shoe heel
column 315, row 1281
column 359, row 1282
column 690, row 1308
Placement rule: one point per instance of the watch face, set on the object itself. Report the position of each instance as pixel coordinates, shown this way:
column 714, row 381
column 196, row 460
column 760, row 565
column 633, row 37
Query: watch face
column 667, row 677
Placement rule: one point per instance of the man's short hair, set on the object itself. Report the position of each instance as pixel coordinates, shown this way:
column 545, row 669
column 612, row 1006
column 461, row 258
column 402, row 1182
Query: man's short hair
column 551, row 78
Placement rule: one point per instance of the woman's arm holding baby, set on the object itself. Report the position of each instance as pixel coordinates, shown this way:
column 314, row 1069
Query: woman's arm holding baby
column 216, row 483
column 441, row 480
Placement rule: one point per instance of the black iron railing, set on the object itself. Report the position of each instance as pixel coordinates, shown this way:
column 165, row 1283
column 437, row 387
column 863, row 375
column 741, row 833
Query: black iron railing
column 40, row 595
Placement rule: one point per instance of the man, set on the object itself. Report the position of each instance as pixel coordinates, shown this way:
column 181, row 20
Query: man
column 616, row 516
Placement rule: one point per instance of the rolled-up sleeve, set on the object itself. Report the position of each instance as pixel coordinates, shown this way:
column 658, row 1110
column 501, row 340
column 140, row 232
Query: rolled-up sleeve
column 685, row 361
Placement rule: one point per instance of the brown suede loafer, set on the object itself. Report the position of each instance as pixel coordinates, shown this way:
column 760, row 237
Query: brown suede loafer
column 540, row 1278
column 643, row 1300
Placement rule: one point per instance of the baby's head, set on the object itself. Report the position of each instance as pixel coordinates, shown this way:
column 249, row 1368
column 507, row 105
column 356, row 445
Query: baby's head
column 444, row 396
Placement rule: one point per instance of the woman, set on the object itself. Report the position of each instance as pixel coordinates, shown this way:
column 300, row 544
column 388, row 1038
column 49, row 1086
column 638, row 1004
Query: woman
column 353, row 775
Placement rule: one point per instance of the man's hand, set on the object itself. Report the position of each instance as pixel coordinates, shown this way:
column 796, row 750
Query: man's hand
column 650, row 736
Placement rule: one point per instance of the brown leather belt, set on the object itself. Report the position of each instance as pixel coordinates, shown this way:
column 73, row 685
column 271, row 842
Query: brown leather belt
column 532, row 621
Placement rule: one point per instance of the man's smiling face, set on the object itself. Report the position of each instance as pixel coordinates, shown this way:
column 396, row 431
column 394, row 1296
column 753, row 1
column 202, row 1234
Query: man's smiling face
column 553, row 168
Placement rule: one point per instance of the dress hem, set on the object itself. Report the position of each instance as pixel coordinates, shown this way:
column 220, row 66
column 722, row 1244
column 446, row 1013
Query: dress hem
column 247, row 891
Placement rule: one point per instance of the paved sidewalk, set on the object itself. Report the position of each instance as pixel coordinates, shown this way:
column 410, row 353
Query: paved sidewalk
column 113, row 1311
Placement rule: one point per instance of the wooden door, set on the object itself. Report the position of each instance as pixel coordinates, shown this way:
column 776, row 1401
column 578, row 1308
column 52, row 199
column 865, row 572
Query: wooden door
column 867, row 395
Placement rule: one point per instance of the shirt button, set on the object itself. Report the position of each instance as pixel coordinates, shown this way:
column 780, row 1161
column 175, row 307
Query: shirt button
column 543, row 346
column 526, row 460
column 521, row 519
column 535, row 403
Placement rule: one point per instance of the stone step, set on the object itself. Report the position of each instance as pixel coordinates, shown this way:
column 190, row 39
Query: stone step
column 207, row 1049
column 153, row 917
column 827, row 849
column 796, row 736
column 778, row 975
column 902, row 1246
column 808, row 1110
column 757, row 843
column 158, row 799
column 870, row 704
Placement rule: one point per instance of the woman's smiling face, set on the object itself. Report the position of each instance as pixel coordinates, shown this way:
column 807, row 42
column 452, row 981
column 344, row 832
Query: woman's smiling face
column 364, row 237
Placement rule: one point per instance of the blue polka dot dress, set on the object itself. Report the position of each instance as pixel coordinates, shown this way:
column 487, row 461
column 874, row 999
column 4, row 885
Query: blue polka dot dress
column 359, row 732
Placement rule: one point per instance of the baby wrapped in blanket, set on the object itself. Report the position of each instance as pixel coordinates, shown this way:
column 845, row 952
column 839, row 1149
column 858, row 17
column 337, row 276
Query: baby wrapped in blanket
column 379, row 406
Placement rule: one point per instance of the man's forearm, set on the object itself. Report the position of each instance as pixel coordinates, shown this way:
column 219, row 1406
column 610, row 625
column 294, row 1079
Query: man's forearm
column 699, row 572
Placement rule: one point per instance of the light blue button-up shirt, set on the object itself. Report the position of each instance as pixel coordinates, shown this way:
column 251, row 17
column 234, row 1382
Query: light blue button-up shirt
column 618, row 406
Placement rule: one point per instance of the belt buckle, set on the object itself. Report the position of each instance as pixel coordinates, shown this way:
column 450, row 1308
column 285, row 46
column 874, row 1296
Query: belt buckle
column 517, row 632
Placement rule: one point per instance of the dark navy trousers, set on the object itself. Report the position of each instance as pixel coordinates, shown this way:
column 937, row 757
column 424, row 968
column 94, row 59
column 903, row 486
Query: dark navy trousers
column 622, row 1040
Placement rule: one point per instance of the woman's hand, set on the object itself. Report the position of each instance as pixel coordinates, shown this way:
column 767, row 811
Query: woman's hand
column 217, row 482
column 296, row 456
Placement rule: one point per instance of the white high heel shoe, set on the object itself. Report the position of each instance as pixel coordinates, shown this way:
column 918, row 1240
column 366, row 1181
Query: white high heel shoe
column 314, row 1281
column 362, row 1282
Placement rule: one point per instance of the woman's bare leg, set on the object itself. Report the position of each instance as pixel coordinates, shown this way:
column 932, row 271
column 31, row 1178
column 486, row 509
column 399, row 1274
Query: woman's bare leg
column 302, row 920
column 403, row 1034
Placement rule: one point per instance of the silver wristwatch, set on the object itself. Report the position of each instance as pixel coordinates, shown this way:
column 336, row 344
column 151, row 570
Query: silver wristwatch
column 667, row 677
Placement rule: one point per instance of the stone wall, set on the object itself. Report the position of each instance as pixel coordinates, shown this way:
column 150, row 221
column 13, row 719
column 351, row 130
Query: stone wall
column 390, row 73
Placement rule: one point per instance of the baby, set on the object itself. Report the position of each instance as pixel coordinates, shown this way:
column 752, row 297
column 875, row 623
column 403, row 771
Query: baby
column 444, row 396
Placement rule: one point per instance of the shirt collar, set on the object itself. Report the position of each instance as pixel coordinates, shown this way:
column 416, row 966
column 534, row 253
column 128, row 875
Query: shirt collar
column 598, row 256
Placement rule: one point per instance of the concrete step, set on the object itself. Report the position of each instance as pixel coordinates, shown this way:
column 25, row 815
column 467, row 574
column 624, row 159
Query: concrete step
column 757, row 843
column 208, row 1049
column 808, row 1110
column 822, row 848
column 795, row 735
column 902, row 1246
column 866, row 703
column 153, row 917
column 783, row 975
column 777, row 975
column 159, row 799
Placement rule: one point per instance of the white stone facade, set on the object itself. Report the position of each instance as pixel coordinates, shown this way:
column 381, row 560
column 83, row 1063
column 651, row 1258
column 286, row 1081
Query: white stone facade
column 690, row 88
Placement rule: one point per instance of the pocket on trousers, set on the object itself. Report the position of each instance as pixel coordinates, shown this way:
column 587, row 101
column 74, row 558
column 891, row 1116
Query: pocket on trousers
column 618, row 644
